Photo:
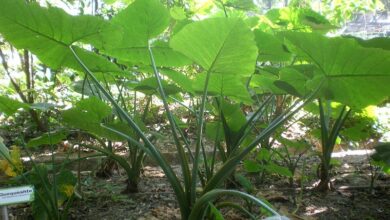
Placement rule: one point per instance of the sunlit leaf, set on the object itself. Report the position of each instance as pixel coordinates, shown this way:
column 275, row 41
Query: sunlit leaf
column 10, row 106
column 48, row 33
column 137, row 24
column 351, row 74
column 224, row 48
column 271, row 48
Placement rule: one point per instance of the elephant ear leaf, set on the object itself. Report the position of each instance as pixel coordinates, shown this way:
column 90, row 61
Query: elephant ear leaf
column 271, row 48
column 224, row 48
column 140, row 22
column 48, row 33
column 50, row 138
column 350, row 73
column 378, row 42
column 287, row 87
column 9, row 106
column 87, row 115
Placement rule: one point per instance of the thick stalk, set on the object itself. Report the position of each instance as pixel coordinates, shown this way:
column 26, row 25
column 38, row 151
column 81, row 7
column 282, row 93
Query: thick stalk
column 328, row 141
column 231, row 163
column 183, row 157
column 154, row 153
column 199, row 138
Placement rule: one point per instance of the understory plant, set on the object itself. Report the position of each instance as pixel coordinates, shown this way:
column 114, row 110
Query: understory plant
column 211, row 60
column 54, row 185
column 88, row 115
column 329, row 134
column 189, row 202
column 379, row 162
column 341, row 76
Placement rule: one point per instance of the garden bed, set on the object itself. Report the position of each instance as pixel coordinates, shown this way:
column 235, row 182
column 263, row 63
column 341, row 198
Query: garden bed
column 351, row 199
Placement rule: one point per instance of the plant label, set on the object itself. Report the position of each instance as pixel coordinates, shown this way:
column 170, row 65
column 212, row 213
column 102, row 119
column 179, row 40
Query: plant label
column 16, row 195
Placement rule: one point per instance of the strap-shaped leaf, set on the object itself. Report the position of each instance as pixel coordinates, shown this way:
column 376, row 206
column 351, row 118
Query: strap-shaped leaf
column 223, row 47
column 353, row 75
column 48, row 32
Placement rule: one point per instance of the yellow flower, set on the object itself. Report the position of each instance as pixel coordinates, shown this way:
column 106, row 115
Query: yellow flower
column 68, row 190
column 15, row 167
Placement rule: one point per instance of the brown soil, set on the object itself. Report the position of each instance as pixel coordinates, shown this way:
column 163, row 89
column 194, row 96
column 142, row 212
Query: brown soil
column 352, row 199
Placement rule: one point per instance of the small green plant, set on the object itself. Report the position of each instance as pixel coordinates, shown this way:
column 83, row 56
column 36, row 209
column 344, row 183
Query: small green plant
column 329, row 135
column 382, row 156
column 264, row 163
column 379, row 162
column 291, row 153
column 54, row 186
column 58, row 188
column 88, row 115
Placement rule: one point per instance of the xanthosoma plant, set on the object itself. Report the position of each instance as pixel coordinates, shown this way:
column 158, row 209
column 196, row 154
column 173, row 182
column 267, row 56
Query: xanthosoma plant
column 329, row 135
column 88, row 116
column 344, row 67
column 223, row 48
column 210, row 191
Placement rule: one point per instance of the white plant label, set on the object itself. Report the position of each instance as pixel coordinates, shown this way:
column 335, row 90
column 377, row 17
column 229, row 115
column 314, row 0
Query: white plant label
column 16, row 195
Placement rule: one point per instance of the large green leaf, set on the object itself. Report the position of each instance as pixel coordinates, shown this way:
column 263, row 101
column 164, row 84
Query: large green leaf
column 213, row 129
column 378, row 42
column 9, row 106
column 183, row 81
column 219, row 45
column 271, row 48
column 233, row 115
column 245, row 5
column 352, row 74
column 149, row 86
column 298, row 18
column 224, row 48
column 263, row 80
column 48, row 33
column 232, row 86
column 87, row 115
column 140, row 22
column 296, row 81
column 50, row 138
